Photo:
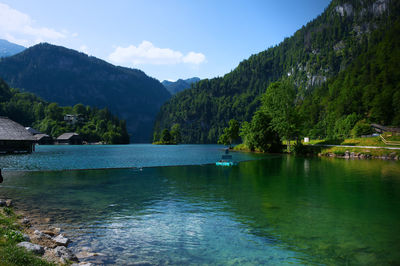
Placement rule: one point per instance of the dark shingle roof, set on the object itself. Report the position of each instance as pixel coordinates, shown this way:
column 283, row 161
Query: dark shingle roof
column 10, row 130
column 66, row 136
column 40, row 136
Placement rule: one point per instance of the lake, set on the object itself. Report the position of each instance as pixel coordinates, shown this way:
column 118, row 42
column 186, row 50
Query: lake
column 182, row 209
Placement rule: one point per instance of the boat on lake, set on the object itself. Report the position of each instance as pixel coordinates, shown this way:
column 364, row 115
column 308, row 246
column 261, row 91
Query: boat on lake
column 226, row 160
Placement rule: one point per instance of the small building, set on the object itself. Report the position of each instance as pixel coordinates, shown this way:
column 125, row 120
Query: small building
column 44, row 139
column 383, row 129
column 70, row 138
column 32, row 131
column 72, row 119
column 14, row 138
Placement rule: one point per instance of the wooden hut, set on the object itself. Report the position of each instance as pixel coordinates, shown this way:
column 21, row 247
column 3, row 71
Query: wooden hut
column 44, row 139
column 69, row 138
column 14, row 138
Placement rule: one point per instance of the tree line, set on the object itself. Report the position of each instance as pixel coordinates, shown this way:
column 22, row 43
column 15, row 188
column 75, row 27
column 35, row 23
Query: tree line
column 93, row 124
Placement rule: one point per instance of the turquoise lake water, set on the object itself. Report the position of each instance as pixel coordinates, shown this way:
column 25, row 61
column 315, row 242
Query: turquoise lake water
column 271, row 210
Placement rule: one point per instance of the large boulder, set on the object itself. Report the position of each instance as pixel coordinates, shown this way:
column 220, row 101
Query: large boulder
column 37, row 249
column 61, row 240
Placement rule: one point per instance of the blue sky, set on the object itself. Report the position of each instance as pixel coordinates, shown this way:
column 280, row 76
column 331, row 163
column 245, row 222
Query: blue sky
column 167, row 39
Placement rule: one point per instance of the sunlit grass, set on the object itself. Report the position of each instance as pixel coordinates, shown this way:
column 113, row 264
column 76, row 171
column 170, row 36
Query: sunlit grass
column 10, row 236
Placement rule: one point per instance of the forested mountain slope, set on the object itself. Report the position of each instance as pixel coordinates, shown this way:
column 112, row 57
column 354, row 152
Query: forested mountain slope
column 65, row 76
column 322, row 50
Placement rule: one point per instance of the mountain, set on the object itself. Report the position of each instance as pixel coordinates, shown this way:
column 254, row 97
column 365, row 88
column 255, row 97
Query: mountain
column 323, row 50
column 8, row 49
column 177, row 86
column 68, row 77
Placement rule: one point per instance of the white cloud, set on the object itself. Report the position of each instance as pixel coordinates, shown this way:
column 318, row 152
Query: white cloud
column 194, row 58
column 18, row 27
column 147, row 53
column 84, row 49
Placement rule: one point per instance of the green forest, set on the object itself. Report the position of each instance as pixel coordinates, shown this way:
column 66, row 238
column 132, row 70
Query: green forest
column 339, row 73
column 94, row 125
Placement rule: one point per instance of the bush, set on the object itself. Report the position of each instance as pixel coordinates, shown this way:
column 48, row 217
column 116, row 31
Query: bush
column 361, row 128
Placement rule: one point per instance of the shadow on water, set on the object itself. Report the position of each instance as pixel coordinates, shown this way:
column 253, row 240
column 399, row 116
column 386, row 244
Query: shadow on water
column 300, row 210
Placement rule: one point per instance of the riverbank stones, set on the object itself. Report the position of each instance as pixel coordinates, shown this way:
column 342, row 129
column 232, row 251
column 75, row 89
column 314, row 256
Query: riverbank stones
column 61, row 240
column 37, row 249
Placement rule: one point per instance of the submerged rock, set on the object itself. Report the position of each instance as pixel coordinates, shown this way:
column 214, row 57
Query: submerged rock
column 65, row 253
column 37, row 249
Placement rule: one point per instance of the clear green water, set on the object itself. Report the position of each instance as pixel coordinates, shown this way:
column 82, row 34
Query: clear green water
column 275, row 211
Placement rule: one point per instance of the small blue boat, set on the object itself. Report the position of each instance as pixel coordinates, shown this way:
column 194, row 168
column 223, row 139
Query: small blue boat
column 226, row 160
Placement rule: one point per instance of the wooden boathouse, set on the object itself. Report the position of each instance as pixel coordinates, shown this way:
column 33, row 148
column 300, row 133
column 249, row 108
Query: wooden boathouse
column 70, row 138
column 14, row 138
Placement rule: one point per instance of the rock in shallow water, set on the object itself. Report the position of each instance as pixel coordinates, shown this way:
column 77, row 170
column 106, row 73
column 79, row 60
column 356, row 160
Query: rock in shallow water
column 61, row 240
column 37, row 249
column 65, row 253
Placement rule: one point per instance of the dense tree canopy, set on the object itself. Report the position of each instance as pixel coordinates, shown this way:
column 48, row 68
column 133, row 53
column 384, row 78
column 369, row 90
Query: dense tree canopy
column 93, row 125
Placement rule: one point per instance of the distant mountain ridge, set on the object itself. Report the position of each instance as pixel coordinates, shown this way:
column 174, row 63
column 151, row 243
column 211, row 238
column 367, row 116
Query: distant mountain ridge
column 181, row 84
column 68, row 77
column 8, row 49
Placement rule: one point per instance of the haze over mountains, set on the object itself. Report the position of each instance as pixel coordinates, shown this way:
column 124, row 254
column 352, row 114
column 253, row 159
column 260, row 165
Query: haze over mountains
column 181, row 84
column 8, row 49
column 68, row 77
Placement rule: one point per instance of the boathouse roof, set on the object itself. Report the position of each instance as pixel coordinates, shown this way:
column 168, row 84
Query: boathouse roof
column 11, row 130
column 40, row 136
column 66, row 136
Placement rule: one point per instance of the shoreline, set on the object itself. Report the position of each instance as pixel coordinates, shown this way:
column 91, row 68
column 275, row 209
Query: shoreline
column 41, row 238
column 345, row 152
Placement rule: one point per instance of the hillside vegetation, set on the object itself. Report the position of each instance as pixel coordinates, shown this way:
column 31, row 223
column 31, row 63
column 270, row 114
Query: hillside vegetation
column 342, row 67
column 29, row 110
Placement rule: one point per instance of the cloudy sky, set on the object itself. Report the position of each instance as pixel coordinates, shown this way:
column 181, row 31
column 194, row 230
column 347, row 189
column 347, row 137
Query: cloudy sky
column 168, row 39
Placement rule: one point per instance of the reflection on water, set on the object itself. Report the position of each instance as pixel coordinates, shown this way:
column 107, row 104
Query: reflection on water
column 278, row 210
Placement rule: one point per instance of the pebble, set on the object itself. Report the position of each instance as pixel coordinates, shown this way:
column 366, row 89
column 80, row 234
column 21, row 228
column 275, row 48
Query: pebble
column 8, row 203
column 26, row 221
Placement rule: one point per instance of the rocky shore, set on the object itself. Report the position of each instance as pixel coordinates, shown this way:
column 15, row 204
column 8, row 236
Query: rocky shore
column 359, row 155
column 47, row 242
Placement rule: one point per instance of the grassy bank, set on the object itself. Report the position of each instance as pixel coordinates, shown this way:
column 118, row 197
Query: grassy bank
column 373, row 141
column 344, row 152
column 11, row 233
